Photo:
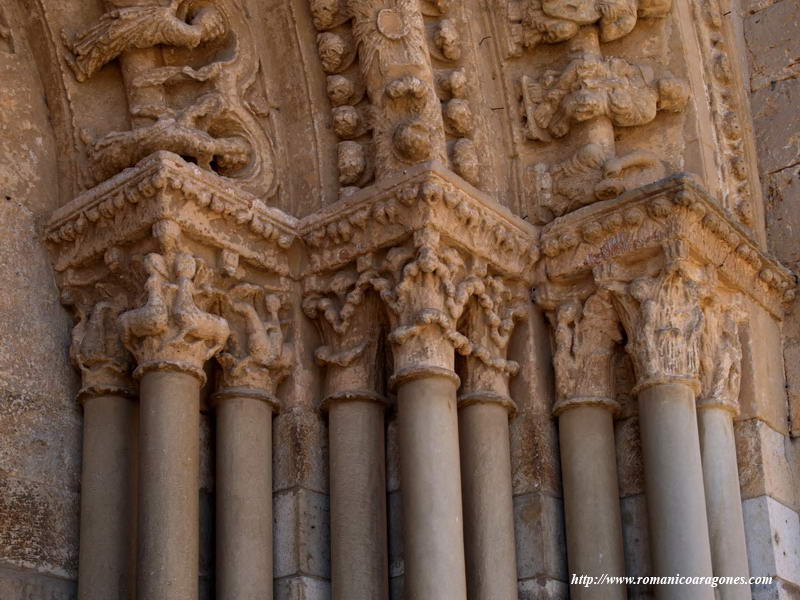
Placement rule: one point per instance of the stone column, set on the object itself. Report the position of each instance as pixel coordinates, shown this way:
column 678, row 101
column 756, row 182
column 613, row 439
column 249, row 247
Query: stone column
column 359, row 549
column 586, row 334
column 171, row 338
column 254, row 362
column 426, row 384
column 484, row 407
column 718, row 405
column 109, row 454
column 663, row 319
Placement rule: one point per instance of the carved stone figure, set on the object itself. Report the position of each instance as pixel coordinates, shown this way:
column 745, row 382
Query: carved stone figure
column 721, row 354
column 170, row 327
column 219, row 127
column 590, row 87
column 256, row 355
column 553, row 21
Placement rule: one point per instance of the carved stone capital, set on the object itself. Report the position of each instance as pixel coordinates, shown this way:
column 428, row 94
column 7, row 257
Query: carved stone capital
column 721, row 354
column 427, row 243
column 663, row 318
column 170, row 331
column 189, row 252
column 586, row 331
column 488, row 324
column 97, row 348
column 256, row 356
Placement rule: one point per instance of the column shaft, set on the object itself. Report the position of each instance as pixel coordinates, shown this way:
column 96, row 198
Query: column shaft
column 591, row 499
column 359, row 561
column 107, row 498
column 488, row 504
column 433, row 537
column 169, row 486
column 723, row 499
column 676, row 502
column 244, row 499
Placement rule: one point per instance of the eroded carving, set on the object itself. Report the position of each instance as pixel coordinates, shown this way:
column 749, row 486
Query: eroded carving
column 721, row 354
column 585, row 334
column 219, row 127
column 171, row 330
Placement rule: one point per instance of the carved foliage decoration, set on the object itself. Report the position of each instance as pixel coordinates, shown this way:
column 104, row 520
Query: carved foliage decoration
column 663, row 319
column 211, row 114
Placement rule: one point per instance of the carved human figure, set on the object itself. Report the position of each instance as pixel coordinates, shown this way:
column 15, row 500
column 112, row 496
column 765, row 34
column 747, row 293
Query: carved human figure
column 721, row 355
column 553, row 21
column 591, row 87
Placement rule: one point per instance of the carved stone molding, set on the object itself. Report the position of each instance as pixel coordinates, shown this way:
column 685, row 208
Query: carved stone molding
column 586, row 332
column 638, row 223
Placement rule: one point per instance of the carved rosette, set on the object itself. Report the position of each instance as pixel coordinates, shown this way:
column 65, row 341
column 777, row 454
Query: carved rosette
column 586, row 332
column 721, row 354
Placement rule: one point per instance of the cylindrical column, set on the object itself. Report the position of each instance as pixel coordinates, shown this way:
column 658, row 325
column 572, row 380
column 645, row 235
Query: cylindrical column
column 169, row 486
column 723, row 499
column 244, row 495
column 487, row 493
column 433, row 537
column 676, row 502
column 359, row 564
column 591, row 499
column 107, row 497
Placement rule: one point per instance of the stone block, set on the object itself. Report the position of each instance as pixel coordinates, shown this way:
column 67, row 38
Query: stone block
column 775, row 115
column 630, row 470
column 636, row 540
column 301, row 526
column 395, row 519
column 773, row 539
column 763, row 392
column 300, row 450
column 302, row 588
column 542, row 588
column 773, row 38
column 541, row 545
column 765, row 459
column 38, row 527
column 777, row 590
column 29, row 585
column 535, row 465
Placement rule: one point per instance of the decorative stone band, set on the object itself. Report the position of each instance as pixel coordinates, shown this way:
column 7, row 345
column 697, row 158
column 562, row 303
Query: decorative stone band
column 353, row 396
column 170, row 365
column 643, row 219
column 422, row 372
column 163, row 186
column 564, row 404
column 691, row 382
column 488, row 397
column 425, row 196
column 96, row 391
column 243, row 392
